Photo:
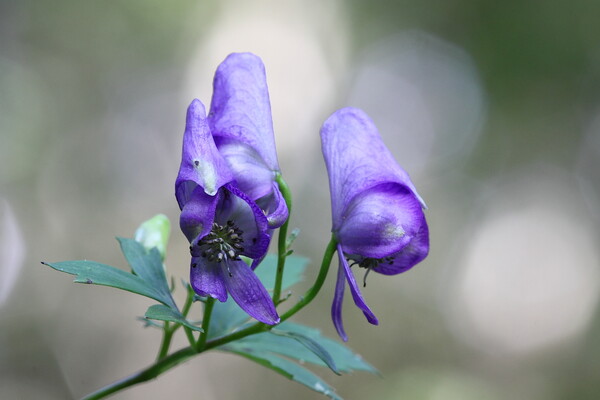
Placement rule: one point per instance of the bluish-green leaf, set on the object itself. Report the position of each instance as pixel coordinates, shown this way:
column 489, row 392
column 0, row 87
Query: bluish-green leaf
column 345, row 358
column 150, row 323
column 293, row 273
column 285, row 367
column 228, row 316
column 147, row 264
column 163, row 313
column 92, row 272
column 311, row 345
column 147, row 280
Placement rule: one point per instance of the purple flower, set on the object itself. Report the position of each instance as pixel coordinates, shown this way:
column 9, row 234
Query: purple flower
column 378, row 217
column 221, row 223
column 241, row 124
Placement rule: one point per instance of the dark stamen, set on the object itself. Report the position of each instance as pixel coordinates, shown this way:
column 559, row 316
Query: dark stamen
column 370, row 263
column 223, row 242
column 365, row 277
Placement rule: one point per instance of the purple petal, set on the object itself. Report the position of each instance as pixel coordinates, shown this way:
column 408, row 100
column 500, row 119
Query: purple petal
column 198, row 214
column 356, row 295
column 380, row 221
column 207, row 280
column 410, row 255
column 248, row 292
column 252, row 175
column 240, row 107
column 237, row 207
column 201, row 163
column 274, row 205
column 338, row 299
column 356, row 159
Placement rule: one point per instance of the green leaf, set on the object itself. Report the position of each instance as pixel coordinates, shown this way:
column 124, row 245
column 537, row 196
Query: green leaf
column 346, row 360
column 92, row 272
column 147, row 264
column 293, row 273
column 147, row 280
column 149, row 323
column 164, row 313
column 284, row 367
column 311, row 345
column 228, row 316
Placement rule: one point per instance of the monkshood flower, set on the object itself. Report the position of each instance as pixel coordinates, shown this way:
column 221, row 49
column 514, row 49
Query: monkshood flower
column 377, row 214
column 242, row 127
column 221, row 223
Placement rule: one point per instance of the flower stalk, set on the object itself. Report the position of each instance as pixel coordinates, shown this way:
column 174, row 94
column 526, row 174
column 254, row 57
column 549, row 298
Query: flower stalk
column 282, row 251
column 208, row 307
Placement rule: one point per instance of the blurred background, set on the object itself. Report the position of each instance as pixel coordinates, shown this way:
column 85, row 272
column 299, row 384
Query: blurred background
column 492, row 107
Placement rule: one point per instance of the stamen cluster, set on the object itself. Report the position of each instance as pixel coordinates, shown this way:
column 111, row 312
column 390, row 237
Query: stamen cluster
column 369, row 263
column 222, row 243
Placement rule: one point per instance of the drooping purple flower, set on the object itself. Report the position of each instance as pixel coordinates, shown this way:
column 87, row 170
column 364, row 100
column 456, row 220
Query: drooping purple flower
column 241, row 124
column 377, row 214
column 221, row 223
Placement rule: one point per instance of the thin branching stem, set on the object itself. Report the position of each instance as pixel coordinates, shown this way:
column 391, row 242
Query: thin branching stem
column 169, row 361
column 282, row 239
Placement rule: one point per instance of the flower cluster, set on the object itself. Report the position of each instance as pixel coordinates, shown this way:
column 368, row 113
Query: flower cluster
column 226, row 187
column 230, row 201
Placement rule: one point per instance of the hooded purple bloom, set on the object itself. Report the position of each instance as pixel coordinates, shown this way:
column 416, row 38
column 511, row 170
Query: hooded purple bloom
column 241, row 124
column 377, row 214
column 221, row 223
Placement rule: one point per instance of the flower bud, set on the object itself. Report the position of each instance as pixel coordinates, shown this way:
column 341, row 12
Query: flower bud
column 155, row 233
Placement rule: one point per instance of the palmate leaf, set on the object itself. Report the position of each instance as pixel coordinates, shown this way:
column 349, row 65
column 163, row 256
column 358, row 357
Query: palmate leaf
column 92, row 272
column 311, row 345
column 149, row 278
column 163, row 313
column 284, row 367
column 147, row 264
column 277, row 349
column 228, row 316
column 344, row 358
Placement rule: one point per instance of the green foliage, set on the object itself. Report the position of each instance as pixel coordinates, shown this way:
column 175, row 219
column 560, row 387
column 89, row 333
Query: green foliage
column 92, row 272
column 345, row 359
column 279, row 348
column 147, row 264
column 309, row 344
column 284, row 367
column 163, row 313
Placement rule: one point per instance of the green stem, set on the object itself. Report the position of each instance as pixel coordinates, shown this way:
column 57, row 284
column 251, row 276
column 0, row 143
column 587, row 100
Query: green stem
column 208, row 307
column 281, row 245
column 188, row 301
column 186, row 309
column 144, row 375
column 174, row 359
column 314, row 290
column 168, row 331
column 166, row 341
